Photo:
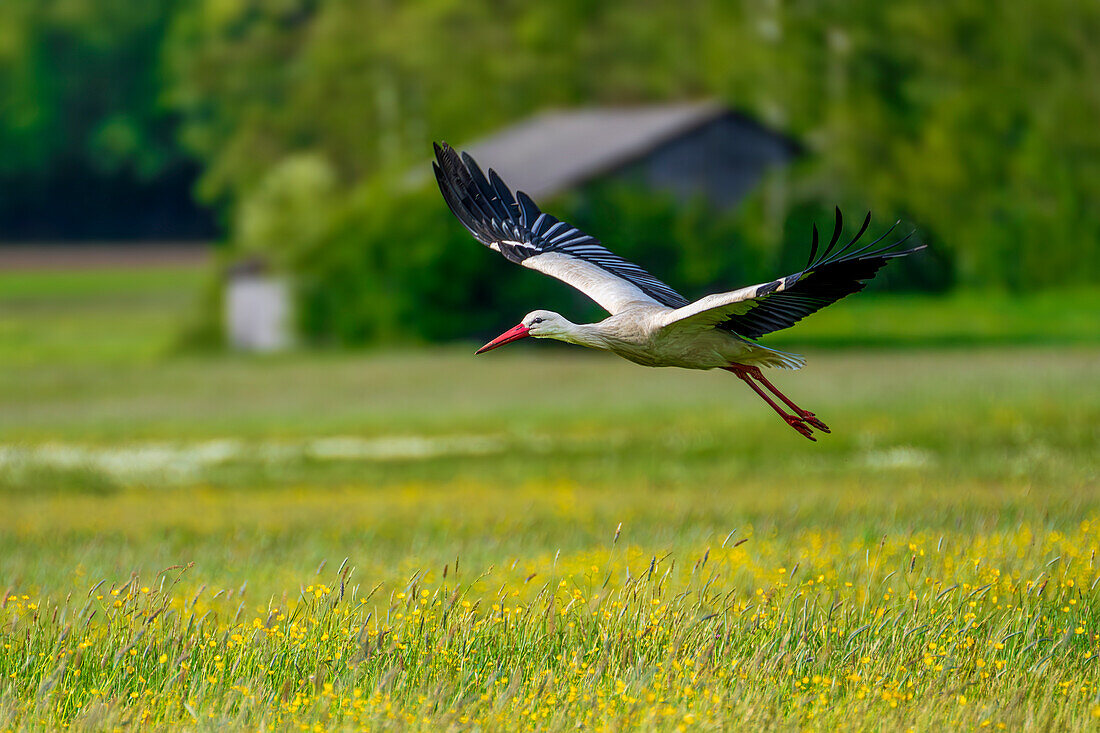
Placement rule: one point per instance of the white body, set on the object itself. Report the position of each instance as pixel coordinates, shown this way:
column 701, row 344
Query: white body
column 640, row 334
column 645, row 331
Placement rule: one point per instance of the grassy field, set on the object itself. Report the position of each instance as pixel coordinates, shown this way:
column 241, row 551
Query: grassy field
column 93, row 316
column 119, row 317
column 541, row 539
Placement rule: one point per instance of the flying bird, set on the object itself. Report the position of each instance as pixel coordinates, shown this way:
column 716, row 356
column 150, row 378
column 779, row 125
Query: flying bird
column 650, row 323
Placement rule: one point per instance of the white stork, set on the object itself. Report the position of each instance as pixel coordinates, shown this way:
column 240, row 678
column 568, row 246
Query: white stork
column 650, row 323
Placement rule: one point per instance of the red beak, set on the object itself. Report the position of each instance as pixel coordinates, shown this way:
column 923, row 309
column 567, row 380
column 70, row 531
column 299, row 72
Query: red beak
column 512, row 334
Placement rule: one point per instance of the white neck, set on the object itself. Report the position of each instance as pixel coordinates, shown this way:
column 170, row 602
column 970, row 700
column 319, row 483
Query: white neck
column 584, row 334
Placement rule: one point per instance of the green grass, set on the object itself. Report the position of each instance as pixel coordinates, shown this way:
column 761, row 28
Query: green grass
column 94, row 316
column 955, row 509
column 120, row 317
column 546, row 539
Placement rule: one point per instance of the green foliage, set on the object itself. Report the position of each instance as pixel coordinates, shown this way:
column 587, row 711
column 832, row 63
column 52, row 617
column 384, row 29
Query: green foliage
column 288, row 208
column 397, row 266
column 974, row 122
column 937, row 116
column 89, row 147
column 978, row 128
column 80, row 82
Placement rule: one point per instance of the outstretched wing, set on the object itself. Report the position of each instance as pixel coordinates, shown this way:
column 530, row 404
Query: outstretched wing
column 760, row 309
column 516, row 228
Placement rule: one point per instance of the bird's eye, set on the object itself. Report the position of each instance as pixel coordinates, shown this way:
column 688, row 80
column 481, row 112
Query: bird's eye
column 537, row 320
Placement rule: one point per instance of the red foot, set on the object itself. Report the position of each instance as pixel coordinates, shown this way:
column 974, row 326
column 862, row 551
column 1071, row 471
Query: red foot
column 796, row 423
column 812, row 420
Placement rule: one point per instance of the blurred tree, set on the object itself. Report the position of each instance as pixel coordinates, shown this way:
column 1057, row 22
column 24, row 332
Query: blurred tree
column 89, row 148
column 975, row 121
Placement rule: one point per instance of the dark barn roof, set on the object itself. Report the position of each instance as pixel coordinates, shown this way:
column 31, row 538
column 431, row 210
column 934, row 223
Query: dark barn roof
column 688, row 147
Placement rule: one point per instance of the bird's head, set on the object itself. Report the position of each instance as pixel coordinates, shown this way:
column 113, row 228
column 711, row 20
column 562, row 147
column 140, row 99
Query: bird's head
column 539, row 324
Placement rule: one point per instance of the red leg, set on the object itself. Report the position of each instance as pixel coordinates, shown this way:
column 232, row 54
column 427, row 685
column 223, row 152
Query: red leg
column 804, row 414
column 793, row 420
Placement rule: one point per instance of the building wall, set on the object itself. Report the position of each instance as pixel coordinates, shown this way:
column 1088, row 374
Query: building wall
column 723, row 160
column 258, row 312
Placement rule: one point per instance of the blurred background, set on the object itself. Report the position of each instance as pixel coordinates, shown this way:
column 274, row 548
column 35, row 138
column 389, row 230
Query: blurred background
column 285, row 144
column 182, row 182
column 237, row 322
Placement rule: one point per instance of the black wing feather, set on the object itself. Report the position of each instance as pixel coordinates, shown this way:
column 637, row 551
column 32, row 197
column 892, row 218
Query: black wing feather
column 837, row 227
column 813, row 247
column 826, row 279
column 518, row 229
column 529, row 213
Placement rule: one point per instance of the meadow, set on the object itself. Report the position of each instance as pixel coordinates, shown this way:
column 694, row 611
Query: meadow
column 541, row 539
